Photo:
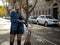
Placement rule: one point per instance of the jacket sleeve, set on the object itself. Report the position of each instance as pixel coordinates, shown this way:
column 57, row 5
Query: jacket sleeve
column 26, row 23
column 13, row 18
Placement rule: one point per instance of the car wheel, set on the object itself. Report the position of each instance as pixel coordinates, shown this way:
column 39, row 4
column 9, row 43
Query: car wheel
column 46, row 24
column 37, row 22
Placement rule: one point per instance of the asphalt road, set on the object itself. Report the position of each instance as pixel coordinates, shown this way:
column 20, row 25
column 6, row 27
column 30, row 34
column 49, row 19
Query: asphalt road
column 46, row 35
column 40, row 35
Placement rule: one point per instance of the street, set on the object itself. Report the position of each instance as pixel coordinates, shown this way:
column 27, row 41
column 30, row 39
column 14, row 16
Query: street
column 41, row 35
column 46, row 35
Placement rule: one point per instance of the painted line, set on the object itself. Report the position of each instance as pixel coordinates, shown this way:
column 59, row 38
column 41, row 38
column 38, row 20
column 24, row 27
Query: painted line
column 44, row 39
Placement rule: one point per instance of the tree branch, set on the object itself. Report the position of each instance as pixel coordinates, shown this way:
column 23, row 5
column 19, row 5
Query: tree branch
column 33, row 7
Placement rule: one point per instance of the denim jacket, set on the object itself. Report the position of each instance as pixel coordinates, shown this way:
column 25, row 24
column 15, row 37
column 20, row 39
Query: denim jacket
column 14, row 21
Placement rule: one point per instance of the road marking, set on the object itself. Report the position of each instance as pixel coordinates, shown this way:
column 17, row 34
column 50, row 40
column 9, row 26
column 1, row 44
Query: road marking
column 44, row 39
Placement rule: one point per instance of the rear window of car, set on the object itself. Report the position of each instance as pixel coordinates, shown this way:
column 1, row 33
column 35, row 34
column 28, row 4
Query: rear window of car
column 41, row 17
column 33, row 17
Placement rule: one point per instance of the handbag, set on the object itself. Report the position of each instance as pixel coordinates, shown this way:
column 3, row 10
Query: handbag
column 28, row 38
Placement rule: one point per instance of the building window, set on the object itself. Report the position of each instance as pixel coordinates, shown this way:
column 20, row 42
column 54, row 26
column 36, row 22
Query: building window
column 33, row 12
column 39, row 12
column 49, row 11
column 36, row 12
column 46, row 12
column 43, row 12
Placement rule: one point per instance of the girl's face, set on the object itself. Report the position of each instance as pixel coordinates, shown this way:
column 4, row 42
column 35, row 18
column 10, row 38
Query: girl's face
column 17, row 7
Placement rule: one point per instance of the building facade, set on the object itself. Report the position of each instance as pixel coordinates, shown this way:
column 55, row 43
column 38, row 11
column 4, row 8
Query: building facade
column 47, row 7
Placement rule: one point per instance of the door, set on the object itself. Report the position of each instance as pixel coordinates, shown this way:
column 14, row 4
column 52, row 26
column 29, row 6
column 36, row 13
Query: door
column 55, row 13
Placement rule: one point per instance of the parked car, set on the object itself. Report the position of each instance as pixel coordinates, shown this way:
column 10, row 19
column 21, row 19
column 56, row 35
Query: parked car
column 7, row 17
column 46, row 20
column 32, row 19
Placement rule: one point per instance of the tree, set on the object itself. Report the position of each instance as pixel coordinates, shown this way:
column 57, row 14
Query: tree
column 28, row 9
column 2, row 10
column 6, row 6
column 22, row 5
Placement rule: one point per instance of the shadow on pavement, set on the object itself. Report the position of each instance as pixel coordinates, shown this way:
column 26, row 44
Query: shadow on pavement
column 4, row 38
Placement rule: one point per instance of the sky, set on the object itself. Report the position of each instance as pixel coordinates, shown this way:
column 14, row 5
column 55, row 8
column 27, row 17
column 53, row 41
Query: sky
column 1, row 3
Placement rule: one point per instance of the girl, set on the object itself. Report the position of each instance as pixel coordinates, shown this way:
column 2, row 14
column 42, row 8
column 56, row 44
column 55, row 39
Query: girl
column 17, row 25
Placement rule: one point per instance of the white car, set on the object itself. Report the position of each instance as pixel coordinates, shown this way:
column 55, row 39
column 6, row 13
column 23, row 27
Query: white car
column 46, row 20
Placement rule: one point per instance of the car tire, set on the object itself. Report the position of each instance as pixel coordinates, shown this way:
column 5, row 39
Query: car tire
column 37, row 22
column 46, row 24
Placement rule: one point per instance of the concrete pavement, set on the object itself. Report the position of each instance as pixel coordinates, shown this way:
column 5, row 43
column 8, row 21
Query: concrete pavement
column 5, row 32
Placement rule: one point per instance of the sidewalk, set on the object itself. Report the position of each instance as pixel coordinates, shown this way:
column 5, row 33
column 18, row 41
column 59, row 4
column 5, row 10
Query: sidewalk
column 4, row 38
column 5, row 32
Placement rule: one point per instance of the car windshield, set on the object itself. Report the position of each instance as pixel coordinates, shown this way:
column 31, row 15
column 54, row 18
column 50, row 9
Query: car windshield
column 49, row 17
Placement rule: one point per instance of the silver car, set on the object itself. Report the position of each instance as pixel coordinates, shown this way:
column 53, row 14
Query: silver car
column 32, row 19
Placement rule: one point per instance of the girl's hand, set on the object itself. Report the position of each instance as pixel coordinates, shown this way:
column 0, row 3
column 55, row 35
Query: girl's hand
column 21, row 21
